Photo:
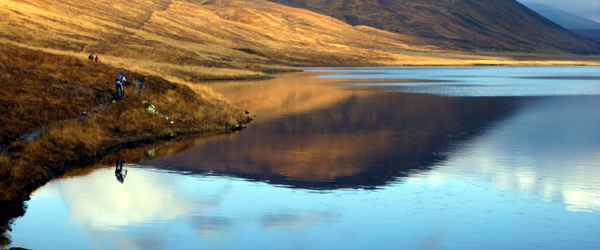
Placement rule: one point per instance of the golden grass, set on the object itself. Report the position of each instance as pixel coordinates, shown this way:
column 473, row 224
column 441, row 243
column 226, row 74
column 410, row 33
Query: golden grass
column 41, row 90
column 187, row 42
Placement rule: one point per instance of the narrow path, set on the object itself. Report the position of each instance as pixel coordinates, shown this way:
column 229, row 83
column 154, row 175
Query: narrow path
column 37, row 133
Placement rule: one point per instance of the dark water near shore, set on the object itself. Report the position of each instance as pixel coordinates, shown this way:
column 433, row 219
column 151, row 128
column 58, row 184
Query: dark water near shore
column 356, row 158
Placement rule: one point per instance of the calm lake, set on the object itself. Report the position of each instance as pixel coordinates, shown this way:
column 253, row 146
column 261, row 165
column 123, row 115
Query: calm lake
column 354, row 158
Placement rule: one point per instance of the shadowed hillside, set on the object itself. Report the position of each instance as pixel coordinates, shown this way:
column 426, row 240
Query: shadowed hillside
column 502, row 25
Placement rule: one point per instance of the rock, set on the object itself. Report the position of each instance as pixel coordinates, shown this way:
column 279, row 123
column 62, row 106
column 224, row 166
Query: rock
column 151, row 108
column 237, row 127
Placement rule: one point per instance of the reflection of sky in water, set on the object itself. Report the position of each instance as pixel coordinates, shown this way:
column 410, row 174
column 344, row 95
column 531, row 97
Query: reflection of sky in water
column 549, row 149
column 529, row 181
column 481, row 81
column 157, row 210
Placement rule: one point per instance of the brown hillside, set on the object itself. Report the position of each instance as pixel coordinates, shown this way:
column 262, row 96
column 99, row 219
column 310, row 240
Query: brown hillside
column 189, row 41
column 503, row 25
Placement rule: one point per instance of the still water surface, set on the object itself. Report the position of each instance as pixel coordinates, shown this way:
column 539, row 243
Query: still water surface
column 356, row 158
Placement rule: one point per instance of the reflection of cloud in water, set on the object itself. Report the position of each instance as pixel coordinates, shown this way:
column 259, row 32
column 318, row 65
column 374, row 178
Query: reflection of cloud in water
column 295, row 221
column 118, row 240
column 207, row 226
column 433, row 242
column 145, row 196
column 551, row 149
column 134, row 214
column 104, row 207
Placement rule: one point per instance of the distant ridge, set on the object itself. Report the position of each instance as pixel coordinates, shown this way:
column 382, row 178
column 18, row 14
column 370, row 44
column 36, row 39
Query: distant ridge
column 579, row 25
column 500, row 25
column 563, row 18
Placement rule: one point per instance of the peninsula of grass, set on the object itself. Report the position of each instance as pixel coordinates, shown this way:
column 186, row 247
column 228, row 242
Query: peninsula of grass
column 59, row 112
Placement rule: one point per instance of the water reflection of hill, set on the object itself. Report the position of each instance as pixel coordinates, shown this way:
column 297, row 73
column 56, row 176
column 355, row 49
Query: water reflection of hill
column 309, row 133
column 362, row 141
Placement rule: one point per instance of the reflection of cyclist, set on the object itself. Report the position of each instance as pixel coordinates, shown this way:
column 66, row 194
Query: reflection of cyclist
column 119, row 171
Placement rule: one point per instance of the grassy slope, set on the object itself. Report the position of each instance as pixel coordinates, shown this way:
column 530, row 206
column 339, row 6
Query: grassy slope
column 42, row 90
column 186, row 41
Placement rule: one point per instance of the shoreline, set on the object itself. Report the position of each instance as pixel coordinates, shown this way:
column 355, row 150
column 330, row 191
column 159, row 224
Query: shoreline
column 12, row 209
column 470, row 63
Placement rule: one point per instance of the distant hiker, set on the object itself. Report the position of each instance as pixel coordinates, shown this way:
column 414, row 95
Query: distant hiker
column 119, row 171
column 97, row 59
column 91, row 57
column 139, row 85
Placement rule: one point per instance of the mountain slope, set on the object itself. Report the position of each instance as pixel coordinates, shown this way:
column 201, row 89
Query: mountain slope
column 189, row 40
column 457, row 24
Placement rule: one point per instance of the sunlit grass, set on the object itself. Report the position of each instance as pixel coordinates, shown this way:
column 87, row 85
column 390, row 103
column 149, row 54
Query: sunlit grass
column 187, row 41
